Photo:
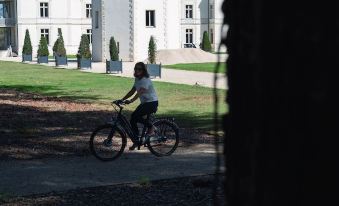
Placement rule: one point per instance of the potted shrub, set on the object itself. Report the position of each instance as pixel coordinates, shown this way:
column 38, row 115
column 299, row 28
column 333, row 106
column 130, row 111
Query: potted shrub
column 59, row 50
column 43, row 51
column 27, row 48
column 153, row 69
column 113, row 65
column 55, row 46
column 84, row 53
column 206, row 44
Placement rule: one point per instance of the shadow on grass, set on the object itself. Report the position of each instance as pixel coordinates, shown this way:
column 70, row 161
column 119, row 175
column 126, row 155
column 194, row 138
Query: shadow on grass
column 33, row 126
column 190, row 120
column 51, row 91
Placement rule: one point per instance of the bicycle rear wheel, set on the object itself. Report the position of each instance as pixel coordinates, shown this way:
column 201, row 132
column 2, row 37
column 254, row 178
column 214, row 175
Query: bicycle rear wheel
column 166, row 139
column 107, row 142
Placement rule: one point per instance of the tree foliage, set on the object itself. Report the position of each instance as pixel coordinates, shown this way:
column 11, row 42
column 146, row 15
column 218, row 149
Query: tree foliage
column 55, row 46
column 206, row 43
column 113, row 50
column 152, row 48
column 27, row 48
column 59, row 45
column 43, row 47
column 84, row 50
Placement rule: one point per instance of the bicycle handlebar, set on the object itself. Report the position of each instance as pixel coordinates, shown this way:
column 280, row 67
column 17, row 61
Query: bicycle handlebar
column 119, row 103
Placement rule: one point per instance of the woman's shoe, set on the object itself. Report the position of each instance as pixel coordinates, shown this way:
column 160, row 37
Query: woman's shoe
column 135, row 145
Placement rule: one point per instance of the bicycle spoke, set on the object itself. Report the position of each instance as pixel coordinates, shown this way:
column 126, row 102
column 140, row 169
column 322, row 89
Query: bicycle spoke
column 106, row 143
column 165, row 140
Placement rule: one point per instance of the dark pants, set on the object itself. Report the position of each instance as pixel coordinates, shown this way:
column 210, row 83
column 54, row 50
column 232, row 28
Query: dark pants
column 142, row 110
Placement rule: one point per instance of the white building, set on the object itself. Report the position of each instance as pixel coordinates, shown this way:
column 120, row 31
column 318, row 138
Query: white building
column 43, row 18
column 171, row 22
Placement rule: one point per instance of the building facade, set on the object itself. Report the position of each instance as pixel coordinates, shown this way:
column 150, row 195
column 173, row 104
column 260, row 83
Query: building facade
column 173, row 23
column 43, row 18
column 7, row 25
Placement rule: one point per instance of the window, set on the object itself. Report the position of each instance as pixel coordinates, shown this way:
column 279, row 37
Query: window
column 44, row 9
column 89, row 35
column 96, row 19
column 88, row 10
column 4, row 9
column 189, row 36
column 3, row 44
column 150, row 18
column 189, row 11
column 5, row 38
column 45, row 33
column 211, row 11
column 212, row 36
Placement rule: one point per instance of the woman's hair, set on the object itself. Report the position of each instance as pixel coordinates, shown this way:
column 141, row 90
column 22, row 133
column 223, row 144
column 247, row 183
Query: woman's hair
column 141, row 66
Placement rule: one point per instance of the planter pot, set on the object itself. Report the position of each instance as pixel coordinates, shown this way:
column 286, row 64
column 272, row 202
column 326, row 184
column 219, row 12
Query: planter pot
column 61, row 61
column 84, row 63
column 43, row 59
column 27, row 57
column 113, row 66
column 154, row 70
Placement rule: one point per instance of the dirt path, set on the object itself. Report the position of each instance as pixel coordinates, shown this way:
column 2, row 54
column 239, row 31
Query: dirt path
column 59, row 174
column 187, row 191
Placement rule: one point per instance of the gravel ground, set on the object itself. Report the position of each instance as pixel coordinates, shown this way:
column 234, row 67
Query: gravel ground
column 179, row 191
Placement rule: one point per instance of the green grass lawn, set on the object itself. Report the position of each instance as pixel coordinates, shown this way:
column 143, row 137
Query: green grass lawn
column 192, row 106
column 199, row 67
column 70, row 56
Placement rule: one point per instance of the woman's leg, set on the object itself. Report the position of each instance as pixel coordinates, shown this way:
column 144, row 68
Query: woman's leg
column 142, row 110
column 134, row 119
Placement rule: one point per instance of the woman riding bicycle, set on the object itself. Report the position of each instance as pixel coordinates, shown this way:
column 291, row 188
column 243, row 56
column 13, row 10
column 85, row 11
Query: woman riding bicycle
column 145, row 91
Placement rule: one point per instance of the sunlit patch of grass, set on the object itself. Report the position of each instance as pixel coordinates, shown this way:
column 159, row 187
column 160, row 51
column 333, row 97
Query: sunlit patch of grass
column 191, row 106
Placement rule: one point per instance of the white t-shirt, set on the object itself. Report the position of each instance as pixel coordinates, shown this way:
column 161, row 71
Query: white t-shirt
column 149, row 95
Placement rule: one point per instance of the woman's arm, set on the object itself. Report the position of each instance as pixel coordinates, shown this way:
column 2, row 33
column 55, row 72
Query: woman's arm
column 139, row 92
column 129, row 94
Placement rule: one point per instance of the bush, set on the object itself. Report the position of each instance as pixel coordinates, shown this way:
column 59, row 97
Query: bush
column 43, row 47
column 206, row 44
column 27, row 48
column 55, row 47
column 152, row 48
column 113, row 50
column 84, row 50
column 59, row 45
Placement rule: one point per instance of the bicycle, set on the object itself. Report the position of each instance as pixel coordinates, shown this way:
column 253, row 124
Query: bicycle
column 108, row 141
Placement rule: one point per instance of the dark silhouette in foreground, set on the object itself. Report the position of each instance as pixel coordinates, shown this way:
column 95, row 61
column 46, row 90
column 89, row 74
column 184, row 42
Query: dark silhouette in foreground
column 283, row 121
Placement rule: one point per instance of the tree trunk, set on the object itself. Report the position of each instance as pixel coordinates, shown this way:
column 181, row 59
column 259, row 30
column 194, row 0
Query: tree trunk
column 282, row 126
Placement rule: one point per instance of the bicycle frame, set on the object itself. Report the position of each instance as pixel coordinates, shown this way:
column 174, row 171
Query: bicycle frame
column 125, row 125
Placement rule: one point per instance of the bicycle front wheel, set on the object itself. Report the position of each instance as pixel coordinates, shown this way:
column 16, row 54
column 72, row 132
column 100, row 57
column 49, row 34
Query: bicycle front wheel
column 166, row 139
column 107, row 142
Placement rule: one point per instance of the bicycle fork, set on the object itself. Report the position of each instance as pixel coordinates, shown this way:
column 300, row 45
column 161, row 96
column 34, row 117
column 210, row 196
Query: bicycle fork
column 108, row 141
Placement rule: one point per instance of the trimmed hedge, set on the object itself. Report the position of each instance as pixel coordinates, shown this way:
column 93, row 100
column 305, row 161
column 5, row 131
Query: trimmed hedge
column 84, row 50
column 206, row 44
column 27, row 48
column 59, row 45
column 43, row 47
column 113, row 50
column 152, row 48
